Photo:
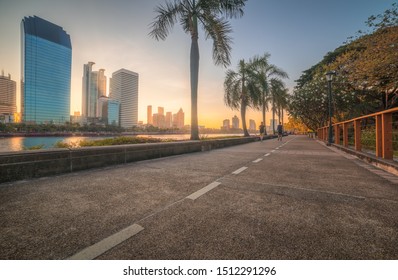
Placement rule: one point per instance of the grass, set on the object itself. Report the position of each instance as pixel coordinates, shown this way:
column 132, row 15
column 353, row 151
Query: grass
column 122, row 140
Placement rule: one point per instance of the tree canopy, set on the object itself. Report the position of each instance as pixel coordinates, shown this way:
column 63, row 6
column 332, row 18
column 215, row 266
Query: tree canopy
column 366, row 81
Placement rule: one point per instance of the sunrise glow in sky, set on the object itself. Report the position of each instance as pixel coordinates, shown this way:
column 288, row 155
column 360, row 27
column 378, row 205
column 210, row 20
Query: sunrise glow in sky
column 114, row 35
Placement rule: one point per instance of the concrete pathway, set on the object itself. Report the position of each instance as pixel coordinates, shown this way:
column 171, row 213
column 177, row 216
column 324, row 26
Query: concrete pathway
column 292, row 200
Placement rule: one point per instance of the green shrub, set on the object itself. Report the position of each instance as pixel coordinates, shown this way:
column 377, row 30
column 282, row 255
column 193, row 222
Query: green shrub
column 122, row 140
column 35, row 147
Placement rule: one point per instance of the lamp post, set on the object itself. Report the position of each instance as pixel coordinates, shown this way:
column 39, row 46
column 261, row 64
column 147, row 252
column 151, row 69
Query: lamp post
column 329, row 78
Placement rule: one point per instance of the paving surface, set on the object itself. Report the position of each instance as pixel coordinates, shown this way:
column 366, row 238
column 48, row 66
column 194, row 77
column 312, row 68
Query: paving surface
column 295, row 199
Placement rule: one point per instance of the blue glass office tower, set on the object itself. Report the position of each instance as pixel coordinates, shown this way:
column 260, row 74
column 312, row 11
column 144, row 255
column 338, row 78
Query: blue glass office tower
column 46, row 72
column 113, row 112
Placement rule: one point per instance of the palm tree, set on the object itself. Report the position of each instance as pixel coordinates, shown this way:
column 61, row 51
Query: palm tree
column 282, row 103
column 277, row 89
column 266, row 74
column 240, row 90
column 212, row 15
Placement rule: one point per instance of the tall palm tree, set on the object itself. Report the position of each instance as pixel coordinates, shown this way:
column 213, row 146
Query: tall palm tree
column 277, row 89
column 266, row 74
column 239, row 90
column 282, row 103
column 212, row 15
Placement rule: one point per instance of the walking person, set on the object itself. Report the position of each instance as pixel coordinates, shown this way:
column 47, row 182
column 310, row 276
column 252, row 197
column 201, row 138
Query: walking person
column 280, row 131
column 262, row 131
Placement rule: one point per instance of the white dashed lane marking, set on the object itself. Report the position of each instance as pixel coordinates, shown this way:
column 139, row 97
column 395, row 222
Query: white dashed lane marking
column 106, row 244
column 257, row 160
column 201, row 192
column 236, row 172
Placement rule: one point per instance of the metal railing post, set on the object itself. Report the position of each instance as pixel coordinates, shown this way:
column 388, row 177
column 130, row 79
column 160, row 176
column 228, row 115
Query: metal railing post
column 357, row 135
column 345, row 134
column 337, row 134
column 379, row 136
column 387, row 148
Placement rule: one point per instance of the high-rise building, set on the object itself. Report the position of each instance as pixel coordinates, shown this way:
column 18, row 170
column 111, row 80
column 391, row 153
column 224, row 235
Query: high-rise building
column 113, row 112
column 102, row 108
column 86, row 89
column 155, row 118
column 161, row 119
column 124, row 88
column 8, row 95
column 273, row 123
column 168, row 120
column 226, row 124
column 46, row 72
column 252, row 125
column 94, row 87
column 178, row 119
column 235, row 122
column 149, row 115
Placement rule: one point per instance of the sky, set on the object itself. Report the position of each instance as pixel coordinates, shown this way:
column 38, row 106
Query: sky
column 114, row 35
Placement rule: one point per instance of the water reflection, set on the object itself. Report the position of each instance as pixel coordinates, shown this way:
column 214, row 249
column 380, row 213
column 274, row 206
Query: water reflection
column 19, row 143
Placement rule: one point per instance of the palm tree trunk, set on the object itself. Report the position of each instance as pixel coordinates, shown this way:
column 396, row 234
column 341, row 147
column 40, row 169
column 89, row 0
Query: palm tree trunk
column 273, row 117
column 243, row 115
column 243, row 102
column 265, row 124
column 279, row 114
column 194, row 81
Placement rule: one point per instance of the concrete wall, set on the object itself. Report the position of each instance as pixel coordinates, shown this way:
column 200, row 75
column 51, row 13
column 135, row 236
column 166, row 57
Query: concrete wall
column 390, row 166
column 33, row 164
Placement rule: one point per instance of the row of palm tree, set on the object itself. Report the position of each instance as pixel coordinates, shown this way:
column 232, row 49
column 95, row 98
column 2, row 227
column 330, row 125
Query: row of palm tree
column 256, row 84
column 242, row 89
column 212, row 16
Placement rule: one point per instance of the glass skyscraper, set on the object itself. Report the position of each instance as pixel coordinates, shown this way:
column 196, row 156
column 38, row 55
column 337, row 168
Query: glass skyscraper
column 94, row 87
column 123, row 87
column 113, row 112
column 46, row 72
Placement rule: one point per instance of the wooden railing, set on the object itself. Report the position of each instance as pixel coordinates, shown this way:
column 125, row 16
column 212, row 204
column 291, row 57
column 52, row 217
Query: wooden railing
column 383, row 132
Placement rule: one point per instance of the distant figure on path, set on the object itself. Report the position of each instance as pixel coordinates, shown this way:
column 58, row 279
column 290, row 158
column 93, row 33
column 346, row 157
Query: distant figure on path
column 262, row 131
column 280, row 131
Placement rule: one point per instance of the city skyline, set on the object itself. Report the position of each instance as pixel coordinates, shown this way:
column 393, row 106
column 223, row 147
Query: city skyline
column 168, row 120
column 115, row 36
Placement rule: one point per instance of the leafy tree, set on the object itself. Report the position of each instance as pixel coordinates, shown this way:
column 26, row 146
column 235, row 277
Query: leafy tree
column 370, row 64
column 212, row 15
column 366, row 81
column 295, row 125
column 388, row 19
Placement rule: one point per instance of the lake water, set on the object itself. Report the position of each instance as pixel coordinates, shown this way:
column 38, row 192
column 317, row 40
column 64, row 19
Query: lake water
column 19, row 143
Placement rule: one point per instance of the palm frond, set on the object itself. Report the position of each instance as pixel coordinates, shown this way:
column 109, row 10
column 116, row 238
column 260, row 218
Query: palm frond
column 232, row 89
column 219, row 30
column 233, row 8
column 276, row 71
column 166, row 17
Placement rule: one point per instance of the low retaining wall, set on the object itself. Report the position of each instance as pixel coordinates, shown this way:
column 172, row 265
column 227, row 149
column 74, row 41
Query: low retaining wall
column 387, row 165
column 33, row 164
